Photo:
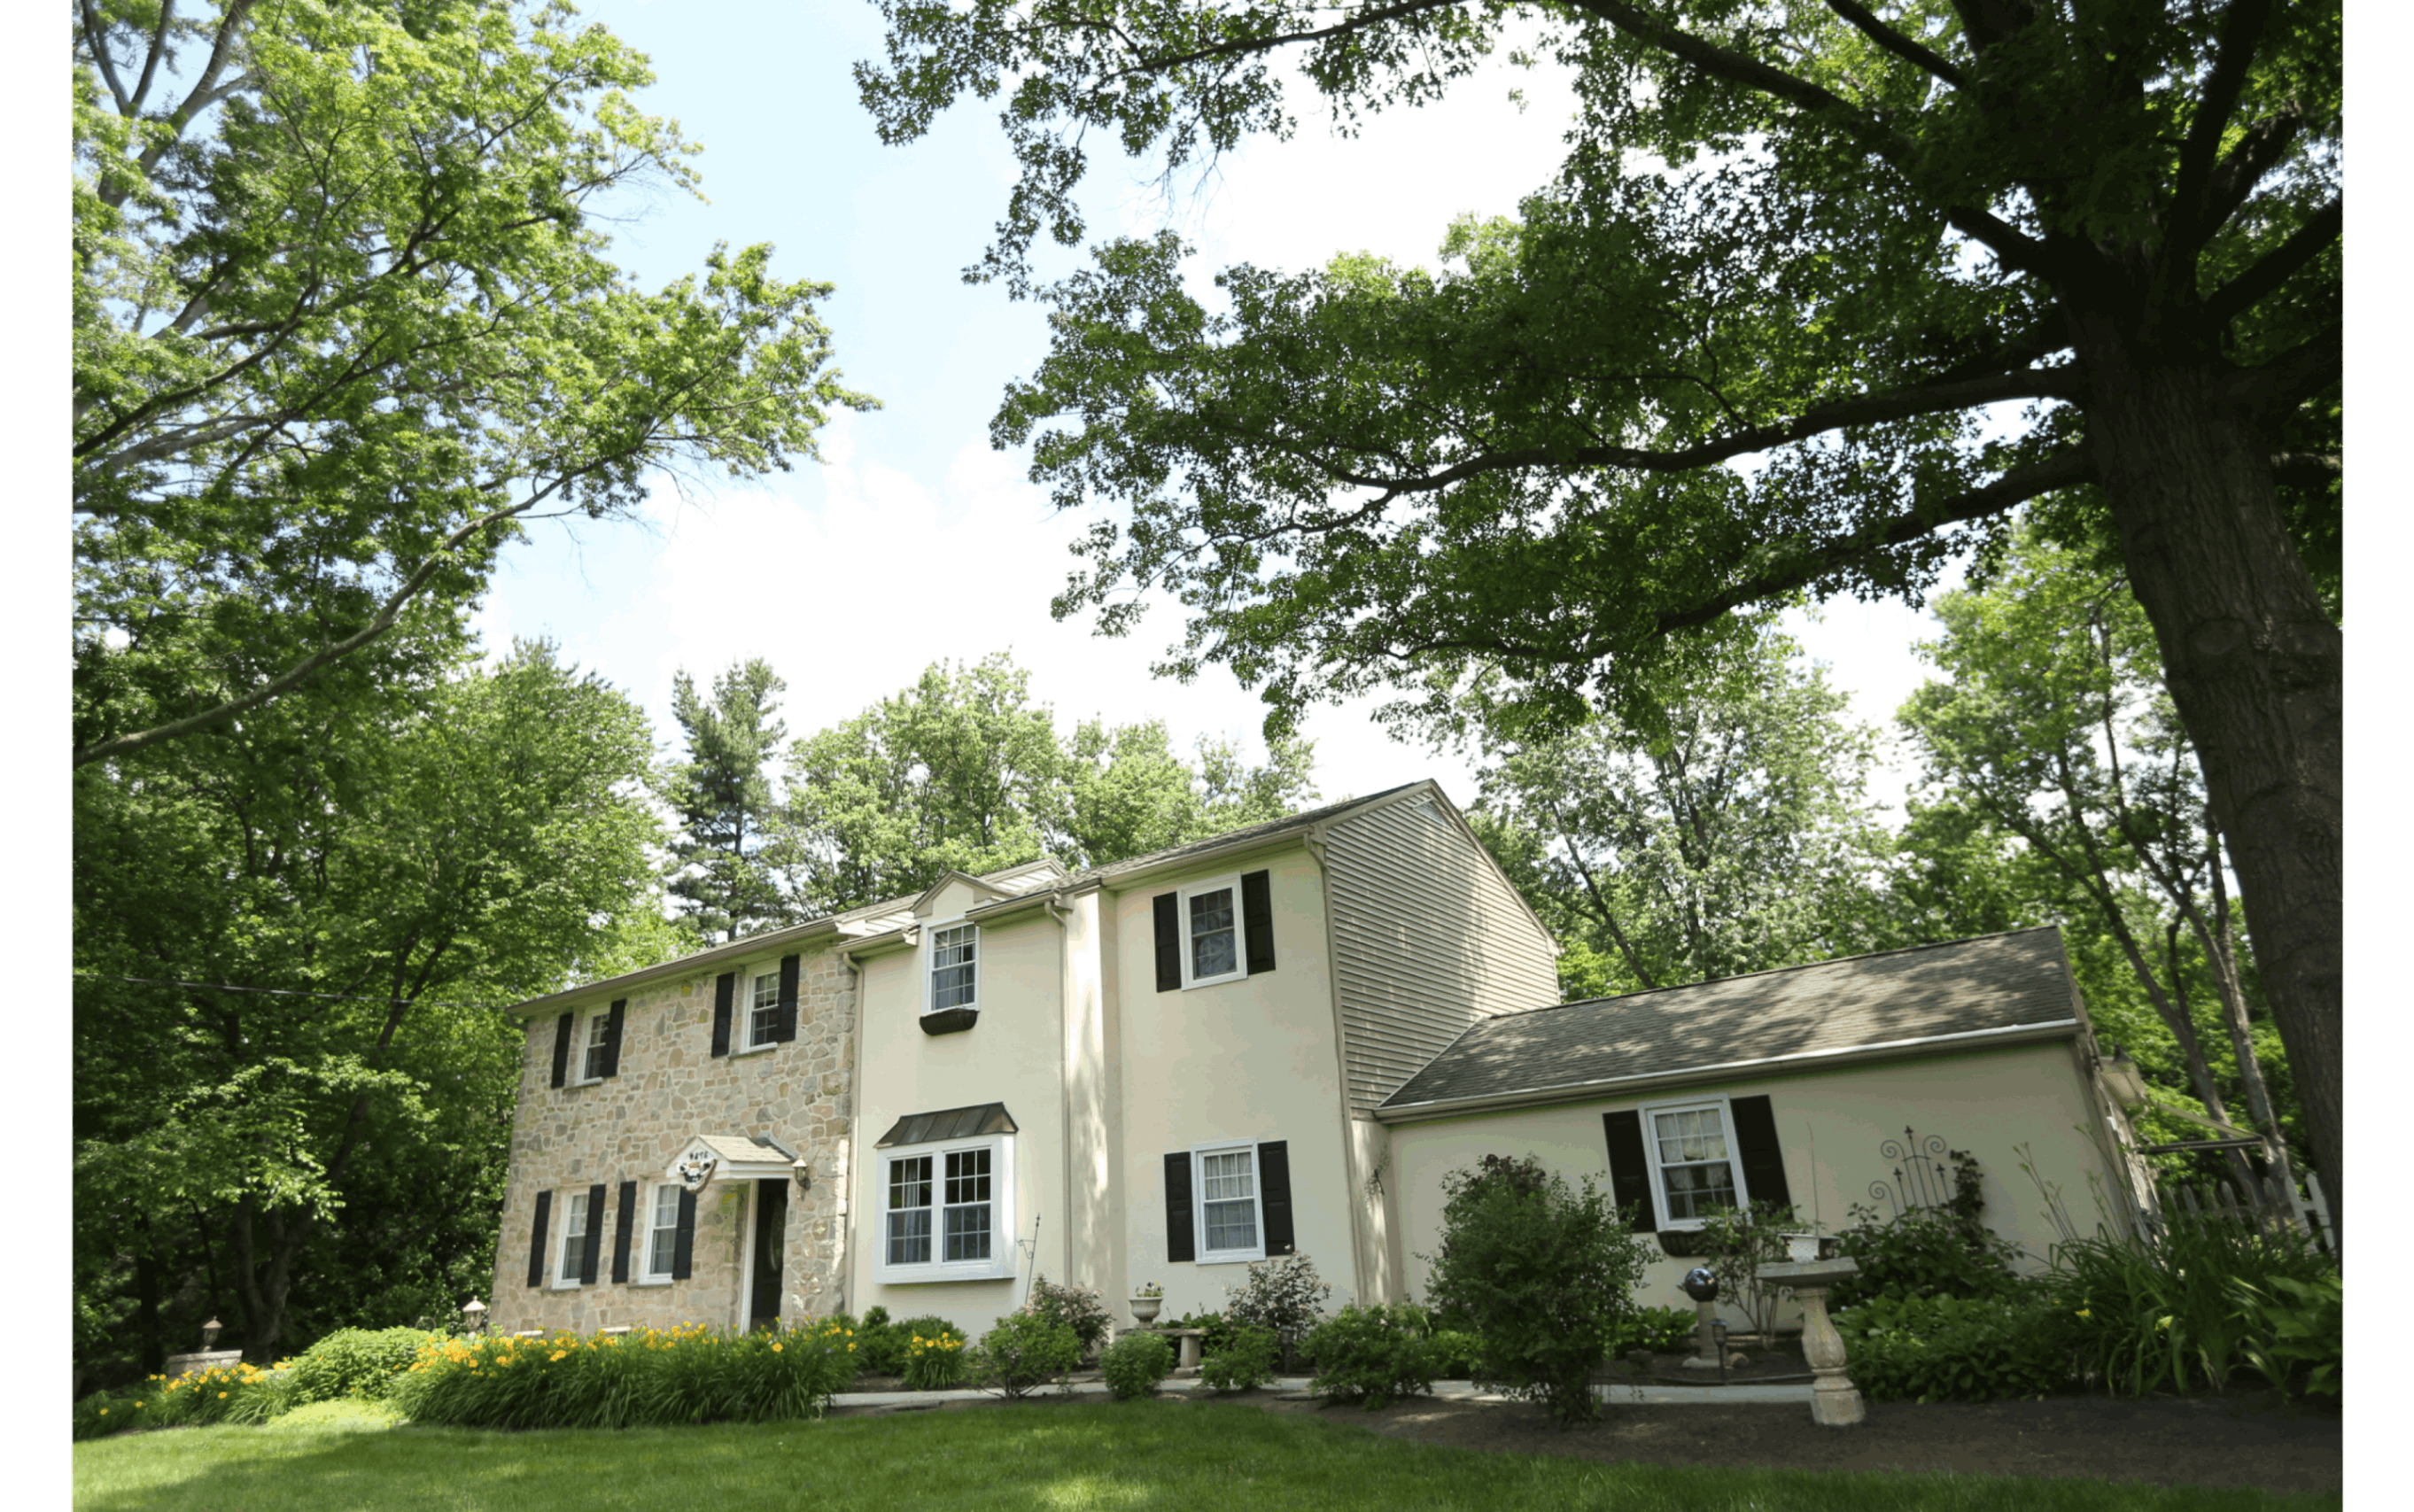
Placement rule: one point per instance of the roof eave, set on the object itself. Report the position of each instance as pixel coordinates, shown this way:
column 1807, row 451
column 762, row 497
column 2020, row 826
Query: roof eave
column 1771, row 1065
column 703, row 960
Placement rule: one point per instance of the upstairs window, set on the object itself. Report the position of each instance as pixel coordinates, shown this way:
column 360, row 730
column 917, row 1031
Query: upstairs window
column 762, row 1024
column 595, row 1062
column 1214, row 931
column 954, row 968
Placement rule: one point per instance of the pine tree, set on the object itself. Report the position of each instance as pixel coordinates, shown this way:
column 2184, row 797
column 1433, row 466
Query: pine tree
column 722, row 800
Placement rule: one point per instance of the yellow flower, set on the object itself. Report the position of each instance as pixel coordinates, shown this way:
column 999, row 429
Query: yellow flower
column 2083, row 1312
column 104, row 1412
column 222, row 1396
column 138, row 1404
column 775, row 1349
column 559, row 1352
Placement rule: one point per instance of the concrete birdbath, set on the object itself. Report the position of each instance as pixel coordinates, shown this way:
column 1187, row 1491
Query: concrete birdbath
column 1834, row 1400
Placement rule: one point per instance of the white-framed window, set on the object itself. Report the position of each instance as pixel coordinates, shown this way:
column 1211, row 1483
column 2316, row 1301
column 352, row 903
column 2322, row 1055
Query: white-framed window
column 595, row 1050
column 573, row 1253
column 763, row 1015
column 947, row 1211
column 954, row 968
column 1214, row 938
column 1694, row 1164
column 661, row 1233
column 1227, row 1202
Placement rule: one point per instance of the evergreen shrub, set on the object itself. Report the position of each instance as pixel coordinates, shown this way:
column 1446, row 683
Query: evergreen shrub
column 1136, row 1364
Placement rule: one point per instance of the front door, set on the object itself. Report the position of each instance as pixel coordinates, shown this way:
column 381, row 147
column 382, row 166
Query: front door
column 770, row 1223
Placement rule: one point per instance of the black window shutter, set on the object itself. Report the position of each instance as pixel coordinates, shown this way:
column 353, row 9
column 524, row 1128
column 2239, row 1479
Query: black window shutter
column 1274, row 1191
column 1168, row 942
column 622, row 1228
column 724, row 993
column 1258, row 919
column 1762, row 1157
column 594, row 1251
column 612, row 1036
column 1630, row 1173
column 536, row 1240
column 1179, row 1245
column 683, row 1247
column 561, row 1031
column 789, row 971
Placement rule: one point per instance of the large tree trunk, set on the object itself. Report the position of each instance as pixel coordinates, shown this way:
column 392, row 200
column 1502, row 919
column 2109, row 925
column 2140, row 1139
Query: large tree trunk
column 2253, row 663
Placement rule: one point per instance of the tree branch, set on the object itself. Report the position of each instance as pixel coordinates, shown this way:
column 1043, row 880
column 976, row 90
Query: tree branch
column 2271, row 270
column 2306, row 470
column 158, row 51
column 2259, row 149
column 1861, row 409
column 1868, row 26
column 2242, row 28
column 96, row 36
column 1244, row 46
column 2308, row 367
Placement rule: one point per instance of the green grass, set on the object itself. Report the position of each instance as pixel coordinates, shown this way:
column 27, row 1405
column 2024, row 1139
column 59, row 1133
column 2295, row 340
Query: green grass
column 338, row 1457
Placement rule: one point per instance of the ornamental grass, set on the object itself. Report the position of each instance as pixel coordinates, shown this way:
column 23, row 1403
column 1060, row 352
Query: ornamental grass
column 646, row 1378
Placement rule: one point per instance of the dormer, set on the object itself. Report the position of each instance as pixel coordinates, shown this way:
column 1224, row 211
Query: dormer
column 957, row 892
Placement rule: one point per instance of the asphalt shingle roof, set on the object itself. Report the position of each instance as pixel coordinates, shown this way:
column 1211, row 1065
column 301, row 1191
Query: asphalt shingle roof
column 1991, row 982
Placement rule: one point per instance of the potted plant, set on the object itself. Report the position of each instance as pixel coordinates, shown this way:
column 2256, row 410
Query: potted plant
column 1145, row 1302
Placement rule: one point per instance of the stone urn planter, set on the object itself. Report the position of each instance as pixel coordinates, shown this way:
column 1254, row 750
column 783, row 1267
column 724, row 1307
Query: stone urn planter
column 1146, row 1308
column 1834, row 1400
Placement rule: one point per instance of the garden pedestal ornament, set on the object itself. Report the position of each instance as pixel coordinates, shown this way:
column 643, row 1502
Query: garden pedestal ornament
column 1700, row 1283
column 1834, row 1400
column 205, row 1358
column 1145, row 1307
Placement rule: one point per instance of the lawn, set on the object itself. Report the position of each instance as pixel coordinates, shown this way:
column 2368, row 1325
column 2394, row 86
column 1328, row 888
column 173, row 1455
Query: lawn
column 336, row 1458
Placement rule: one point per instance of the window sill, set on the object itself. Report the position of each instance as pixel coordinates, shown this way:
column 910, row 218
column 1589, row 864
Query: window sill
column 1231, row 1257
column 654, row 1281
column 1215, row 981
column 765, row 1047
column 932, row 1275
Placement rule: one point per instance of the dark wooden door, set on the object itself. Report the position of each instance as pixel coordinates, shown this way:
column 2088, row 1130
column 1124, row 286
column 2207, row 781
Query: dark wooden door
column 770, row 1224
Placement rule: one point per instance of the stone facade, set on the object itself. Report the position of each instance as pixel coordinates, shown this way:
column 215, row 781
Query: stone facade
column 669, row 1089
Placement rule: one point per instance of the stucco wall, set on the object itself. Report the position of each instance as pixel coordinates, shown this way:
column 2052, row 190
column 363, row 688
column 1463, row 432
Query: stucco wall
column 1994, row 1103
column 669, row 1089
column 1013, row 1055
column 1253, row 1059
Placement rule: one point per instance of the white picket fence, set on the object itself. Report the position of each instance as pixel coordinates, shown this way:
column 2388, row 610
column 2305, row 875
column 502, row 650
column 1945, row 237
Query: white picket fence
column 2272, row 1199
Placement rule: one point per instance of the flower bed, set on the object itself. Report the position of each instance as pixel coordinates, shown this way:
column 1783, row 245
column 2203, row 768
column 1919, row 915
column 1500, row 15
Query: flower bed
column 646, row 1378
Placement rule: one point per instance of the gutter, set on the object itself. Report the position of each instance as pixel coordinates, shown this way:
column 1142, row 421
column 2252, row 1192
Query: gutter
column 1771, row 1065
column 703, row 960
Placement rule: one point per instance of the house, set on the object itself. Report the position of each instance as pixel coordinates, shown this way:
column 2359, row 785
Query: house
column 1274, row 1042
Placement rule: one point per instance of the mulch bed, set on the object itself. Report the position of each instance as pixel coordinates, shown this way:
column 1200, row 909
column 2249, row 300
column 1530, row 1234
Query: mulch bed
column 2243, row 1439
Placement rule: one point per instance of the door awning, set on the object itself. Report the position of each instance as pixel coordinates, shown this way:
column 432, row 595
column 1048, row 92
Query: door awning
column 738, row 1157
column 948, row 1123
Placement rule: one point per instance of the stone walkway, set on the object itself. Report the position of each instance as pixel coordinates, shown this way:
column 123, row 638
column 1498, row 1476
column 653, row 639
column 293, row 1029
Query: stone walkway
column 1297, row 1385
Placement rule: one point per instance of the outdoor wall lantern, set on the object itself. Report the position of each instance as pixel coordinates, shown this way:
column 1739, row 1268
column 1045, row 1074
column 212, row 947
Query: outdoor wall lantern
column 804, row 1176
column 473, row 1316
column 210, row 1334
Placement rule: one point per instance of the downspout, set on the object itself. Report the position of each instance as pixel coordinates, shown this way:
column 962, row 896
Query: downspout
column 844, row 1221
column 1054, row 904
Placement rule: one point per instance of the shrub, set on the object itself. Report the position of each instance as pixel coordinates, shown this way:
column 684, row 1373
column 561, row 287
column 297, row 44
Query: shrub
column 1217, row 1329
column 1245, row 1359
column 1454, row 1355
column 2166, row 1312
column 356, row 1362
column 1076, row 1307
column 1026, row 1351
column 1134, row 1364
column 648, row 1378
column 1282, row 1293
column 2294, row 1332
column 1740, row 1243
column 1544, row 1277
column 934, row 1357
column 1956, row 1348
column 1661, row 1331
column 1371, row 1354
column 1926, row 1251
column 886, row 1344
column 239, row 1393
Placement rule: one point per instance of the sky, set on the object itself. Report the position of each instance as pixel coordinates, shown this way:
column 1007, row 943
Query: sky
column 912, row 542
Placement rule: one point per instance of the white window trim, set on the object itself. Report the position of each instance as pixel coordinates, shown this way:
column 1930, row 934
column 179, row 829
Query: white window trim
column 930, row 954
column 565, row 1264
column 1240, row 931
column 580, row 1033
column 1002, row 1252
column 1651, row 1155
column 641, row 1271
column 742, row 1033
column 1199, row 1201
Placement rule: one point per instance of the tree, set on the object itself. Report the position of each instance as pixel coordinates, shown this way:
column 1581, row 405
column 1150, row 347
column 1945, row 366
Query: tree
column 294, row 931
column 343, row 318
column 962, row 772
column 1734, row 840
column 2052, row 726
column 1841, row 238
column 723, row 802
